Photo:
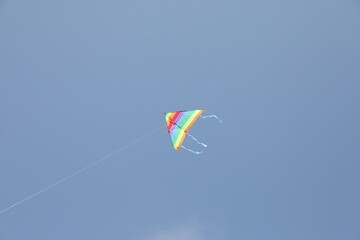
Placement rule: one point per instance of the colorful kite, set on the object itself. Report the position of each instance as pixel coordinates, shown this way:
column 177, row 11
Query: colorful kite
column 178, row 124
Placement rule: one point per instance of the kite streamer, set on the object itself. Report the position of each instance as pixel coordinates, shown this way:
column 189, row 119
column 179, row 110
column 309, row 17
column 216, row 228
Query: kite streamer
column 195, row 152
column 212, row 116
column 197, row 141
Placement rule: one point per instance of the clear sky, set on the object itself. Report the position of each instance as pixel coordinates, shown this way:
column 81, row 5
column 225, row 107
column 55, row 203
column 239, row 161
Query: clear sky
column 79, row 79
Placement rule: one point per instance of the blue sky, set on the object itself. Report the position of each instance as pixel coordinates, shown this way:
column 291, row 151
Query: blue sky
column 80, row 79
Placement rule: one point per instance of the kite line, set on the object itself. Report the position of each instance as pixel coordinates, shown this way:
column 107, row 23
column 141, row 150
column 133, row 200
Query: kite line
column 82, row 170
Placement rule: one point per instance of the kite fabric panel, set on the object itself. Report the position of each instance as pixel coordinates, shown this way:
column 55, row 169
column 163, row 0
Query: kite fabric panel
column 178, row 123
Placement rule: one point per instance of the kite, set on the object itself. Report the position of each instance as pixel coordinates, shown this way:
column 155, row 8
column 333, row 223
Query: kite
column 178, row 124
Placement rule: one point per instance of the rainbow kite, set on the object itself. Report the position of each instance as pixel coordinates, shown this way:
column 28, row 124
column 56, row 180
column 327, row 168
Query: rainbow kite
column 178, row 124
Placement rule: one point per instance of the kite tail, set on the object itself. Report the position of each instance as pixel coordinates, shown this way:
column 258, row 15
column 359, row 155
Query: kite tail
column 212, row 116
column 195, row 152
column 197, row 141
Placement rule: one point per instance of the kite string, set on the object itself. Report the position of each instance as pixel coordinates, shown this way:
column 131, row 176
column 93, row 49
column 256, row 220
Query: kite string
column 81, row 170
column 212, row 116
column 195, row 152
